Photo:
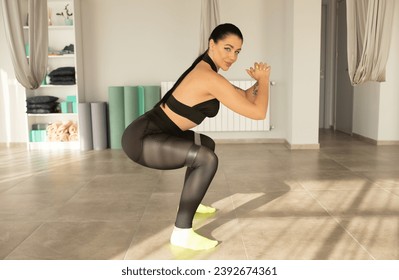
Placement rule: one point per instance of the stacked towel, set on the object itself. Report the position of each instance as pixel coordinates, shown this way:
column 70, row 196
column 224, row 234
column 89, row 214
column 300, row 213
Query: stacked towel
column 63, row 76
column 62, row 131
column 42, row 104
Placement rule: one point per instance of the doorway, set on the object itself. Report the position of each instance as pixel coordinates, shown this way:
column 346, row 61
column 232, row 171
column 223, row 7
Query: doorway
column 323, row 52
column 336, row 91
column 344, row 88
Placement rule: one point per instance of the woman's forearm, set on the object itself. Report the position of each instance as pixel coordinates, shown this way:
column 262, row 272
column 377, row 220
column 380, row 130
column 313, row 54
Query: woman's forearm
column 261, row 96
column 251, row 92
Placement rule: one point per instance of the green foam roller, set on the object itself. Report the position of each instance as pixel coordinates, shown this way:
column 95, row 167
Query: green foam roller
column 116, row 115
column 152, row 95
column 140, row 91
column 131, row 100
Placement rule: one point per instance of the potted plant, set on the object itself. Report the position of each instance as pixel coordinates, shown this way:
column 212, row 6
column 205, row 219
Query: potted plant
column 66, row 14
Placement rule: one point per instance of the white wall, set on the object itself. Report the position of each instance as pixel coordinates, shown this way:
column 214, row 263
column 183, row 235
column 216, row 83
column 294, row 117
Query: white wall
column 330, row 65
column 289, row 74
column 389, row 94
column 375, row 112
column 366, row 99
column 137, row 42
column 12, row 96
column 304, row 93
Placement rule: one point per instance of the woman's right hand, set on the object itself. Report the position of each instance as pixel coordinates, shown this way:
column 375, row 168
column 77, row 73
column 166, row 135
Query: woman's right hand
column 259, row 71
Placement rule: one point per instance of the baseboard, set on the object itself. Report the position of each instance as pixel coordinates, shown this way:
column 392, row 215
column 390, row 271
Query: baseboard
column 13, row 145
column 375, row 142
column 387, row 143
column 364, row 139
column 249, row 141
column 302, row 146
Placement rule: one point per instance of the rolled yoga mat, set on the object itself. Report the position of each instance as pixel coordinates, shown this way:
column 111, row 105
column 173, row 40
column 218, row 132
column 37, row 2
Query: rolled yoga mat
column 116, row 116
column 86, row 136
column 99, row 125
column 152, row 95
column 131, row 100
column 140, row 90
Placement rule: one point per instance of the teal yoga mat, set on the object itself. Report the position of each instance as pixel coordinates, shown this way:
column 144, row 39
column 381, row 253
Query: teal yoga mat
column 116, row 115
column 152, row 95
column 131, row 104
column 140, row 90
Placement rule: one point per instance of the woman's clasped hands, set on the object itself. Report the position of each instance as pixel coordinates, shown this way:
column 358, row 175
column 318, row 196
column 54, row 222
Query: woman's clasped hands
column 259, row 71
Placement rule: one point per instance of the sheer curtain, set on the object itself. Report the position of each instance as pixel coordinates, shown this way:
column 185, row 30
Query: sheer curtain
column 209, row 20
column 369, row 37
column 29, row 72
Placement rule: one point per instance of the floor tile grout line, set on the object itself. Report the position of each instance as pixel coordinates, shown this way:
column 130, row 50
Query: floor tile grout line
column 242, row 239
column 379, row 185
column 339, row 223
column 24, row 176
column 33, row 232
column 79, row 190
column 133, row 236
column 139, row 224
column 340, row 164
column 235, row 215
column 389, row 191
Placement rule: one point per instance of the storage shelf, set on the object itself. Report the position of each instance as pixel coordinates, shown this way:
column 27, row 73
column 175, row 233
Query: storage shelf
column 58, row 86
column 61, row 56
column 60, row 27
column 56, row 27
column 60, row 36
column 74, row 145
column 54, row 56
column 54, row 114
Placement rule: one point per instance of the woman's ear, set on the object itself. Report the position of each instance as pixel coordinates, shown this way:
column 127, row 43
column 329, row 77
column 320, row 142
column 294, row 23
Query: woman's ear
column 211, row 44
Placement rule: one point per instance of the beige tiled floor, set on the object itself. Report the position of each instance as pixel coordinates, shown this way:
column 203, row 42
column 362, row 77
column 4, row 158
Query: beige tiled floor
column 339, row 202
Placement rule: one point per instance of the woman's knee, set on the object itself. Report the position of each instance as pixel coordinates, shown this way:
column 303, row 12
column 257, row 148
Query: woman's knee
column 207, row 157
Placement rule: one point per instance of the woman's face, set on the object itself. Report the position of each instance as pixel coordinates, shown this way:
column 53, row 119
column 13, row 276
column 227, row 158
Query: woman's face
column 225, row 52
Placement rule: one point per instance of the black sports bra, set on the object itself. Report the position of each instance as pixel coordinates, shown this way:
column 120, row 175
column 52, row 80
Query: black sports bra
column 200, row 111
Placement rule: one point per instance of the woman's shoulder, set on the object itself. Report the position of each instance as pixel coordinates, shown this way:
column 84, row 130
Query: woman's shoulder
column 204, row 73
column 201, row 76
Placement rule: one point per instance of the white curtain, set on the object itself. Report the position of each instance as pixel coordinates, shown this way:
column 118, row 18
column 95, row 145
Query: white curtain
column 29, row 72
column 369, row 37
column 209, row 20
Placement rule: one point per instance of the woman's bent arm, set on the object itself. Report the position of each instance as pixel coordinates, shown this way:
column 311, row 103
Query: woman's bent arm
column 254, row 107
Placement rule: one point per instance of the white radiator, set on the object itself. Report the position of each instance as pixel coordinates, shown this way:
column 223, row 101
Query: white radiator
column 227, row 120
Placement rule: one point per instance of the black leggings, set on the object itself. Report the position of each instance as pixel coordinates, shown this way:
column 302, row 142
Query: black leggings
column 153, row 140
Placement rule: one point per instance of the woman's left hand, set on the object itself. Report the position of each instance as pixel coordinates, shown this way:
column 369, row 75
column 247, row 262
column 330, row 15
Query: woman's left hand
column 260, row 70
